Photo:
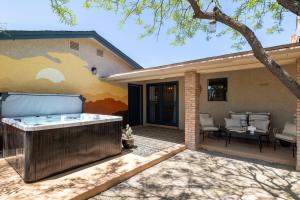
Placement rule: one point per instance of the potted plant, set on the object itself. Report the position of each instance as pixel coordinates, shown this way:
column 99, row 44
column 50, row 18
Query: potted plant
column 127, row 138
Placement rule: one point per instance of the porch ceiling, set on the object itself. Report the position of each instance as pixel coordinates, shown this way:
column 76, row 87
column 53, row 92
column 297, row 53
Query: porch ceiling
column 284, row 55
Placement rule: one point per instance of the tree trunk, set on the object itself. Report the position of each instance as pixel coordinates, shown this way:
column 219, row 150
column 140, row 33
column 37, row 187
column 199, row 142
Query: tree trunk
column 258, row 50
column 291, row 5
column 260, row 53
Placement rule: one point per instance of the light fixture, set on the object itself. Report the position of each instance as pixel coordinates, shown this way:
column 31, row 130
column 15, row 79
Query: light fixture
column 94, row 70
column 212, row 28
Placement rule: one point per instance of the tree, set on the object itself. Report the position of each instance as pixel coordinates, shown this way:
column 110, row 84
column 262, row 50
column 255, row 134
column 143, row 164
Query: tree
column 291, row 5
column 65, row 14
column 190, row 16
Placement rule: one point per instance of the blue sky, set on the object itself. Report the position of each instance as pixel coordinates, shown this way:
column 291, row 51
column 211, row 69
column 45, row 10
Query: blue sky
column 148, row 52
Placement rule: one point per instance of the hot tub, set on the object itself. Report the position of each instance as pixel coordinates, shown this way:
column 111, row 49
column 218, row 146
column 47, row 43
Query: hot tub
column 40, row 146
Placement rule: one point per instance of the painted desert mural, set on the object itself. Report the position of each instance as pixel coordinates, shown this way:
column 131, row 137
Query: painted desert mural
column 64, row 73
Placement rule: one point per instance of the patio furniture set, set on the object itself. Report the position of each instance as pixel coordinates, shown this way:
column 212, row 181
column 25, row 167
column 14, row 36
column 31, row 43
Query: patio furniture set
column 249, row 126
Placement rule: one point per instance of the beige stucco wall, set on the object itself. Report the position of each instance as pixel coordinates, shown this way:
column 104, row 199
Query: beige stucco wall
column 108, row 64
column 254, row 90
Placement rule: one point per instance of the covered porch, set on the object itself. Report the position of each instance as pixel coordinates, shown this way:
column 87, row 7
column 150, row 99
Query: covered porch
column 174, row 95
column 150, row 139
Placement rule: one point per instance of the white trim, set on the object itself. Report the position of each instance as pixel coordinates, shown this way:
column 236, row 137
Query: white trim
column 230, row 63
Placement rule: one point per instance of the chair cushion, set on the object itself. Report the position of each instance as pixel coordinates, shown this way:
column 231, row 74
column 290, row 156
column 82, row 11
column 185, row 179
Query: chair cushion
column 289, row 129
column 205, row 115
column 242, row 117
column 209, row 128
column 285, row 137
column 233, row 122
column 206, row 121
column 261, row 125
column 243, row 122
column 259, row 113
column 255, row 118
column 261, row 116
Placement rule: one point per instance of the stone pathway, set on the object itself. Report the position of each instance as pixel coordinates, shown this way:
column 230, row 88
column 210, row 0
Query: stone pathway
column 203, row 175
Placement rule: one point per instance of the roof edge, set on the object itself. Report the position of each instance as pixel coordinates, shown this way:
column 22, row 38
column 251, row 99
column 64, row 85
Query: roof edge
column 279, row 48
column 240, row 53
column 48, row 34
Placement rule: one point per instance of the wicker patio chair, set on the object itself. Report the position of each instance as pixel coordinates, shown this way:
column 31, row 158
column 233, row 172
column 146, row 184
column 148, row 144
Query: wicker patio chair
column 207, row 124
column 287, row 134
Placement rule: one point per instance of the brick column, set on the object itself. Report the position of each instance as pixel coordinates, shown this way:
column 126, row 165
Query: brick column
column 298, row 120
column 192, row 101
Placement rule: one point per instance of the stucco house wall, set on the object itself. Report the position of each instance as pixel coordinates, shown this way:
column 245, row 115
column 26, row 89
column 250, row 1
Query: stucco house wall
column 253, row 90
column 107, row 65
column 50, row 66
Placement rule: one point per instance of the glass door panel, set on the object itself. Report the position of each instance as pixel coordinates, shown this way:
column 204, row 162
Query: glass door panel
column 162, row 103
column 154, row 104
column 169, row 115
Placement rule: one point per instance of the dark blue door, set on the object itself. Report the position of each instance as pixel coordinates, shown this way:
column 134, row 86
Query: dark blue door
column 135, row 104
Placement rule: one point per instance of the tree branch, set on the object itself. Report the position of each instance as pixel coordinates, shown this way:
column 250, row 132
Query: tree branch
column 198, row 13
column 291, row 5
column 258, row 50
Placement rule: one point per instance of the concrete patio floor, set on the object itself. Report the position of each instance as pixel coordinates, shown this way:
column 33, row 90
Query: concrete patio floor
column 204, row 175
column 151, row 139
column 242, row 148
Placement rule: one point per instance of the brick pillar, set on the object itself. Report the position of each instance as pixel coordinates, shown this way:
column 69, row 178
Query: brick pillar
column 192, row 101
column 298, row 120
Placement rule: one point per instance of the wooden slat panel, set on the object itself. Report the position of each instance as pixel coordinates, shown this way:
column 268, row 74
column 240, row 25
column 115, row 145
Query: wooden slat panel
column 49, row 152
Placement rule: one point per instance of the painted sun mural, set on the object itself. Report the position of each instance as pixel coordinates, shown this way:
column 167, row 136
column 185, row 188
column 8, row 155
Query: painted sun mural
column 63, row 73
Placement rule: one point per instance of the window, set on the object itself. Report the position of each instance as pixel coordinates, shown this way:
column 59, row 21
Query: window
column 217, row 89
column 100, row 52
column 74, row 45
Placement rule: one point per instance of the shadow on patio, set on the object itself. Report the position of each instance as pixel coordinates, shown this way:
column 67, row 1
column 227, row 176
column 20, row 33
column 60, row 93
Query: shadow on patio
column 202, row 175
column 150, row 139
column 250, row 149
